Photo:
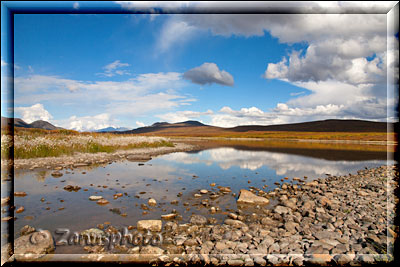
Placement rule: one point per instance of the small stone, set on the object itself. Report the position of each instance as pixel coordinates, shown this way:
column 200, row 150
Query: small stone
column 152, row 202
column 281, row 210
column 248, row 197
column 26, row 230
column 198, row 219
column 5, row 200
column 95, row 197
column 152, row 225
column 203, row 191
column 56, row 174
column 168, row 216
column 224, row 189
column 19, row 194
column 102, row 201
column 151, row 250
column 20, row 209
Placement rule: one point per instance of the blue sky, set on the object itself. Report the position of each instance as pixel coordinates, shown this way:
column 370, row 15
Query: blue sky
column 87, row 72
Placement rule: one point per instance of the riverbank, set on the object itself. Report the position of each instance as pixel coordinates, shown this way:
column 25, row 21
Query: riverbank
column 336, row 220
column 87, row 159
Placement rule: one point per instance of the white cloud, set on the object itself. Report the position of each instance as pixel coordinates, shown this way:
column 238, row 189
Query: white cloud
column 114, row 68
column 33, row 113
column 88, row 123
column 140, row 124
column 209, row 73
column 174, row 33
column 181, row 116
column 345, row 62
column 3, row 63
column 133, row 97
column 76, row 5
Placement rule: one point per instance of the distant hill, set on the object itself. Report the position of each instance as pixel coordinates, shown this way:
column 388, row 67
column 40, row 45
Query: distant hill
column 40, row 124
column 195, row 128
column 320, row 126
column 112, row 129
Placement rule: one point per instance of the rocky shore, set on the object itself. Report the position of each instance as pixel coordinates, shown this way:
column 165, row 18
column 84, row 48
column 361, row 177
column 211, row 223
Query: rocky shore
column 336, row 220
column 86, row 159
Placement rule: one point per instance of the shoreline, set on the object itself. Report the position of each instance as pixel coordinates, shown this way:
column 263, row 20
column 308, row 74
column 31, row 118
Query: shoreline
column 181, row 144
column 86, row 159
column 344, row 219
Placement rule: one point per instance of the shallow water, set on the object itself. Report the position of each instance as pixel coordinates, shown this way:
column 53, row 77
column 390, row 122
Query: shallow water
column 161, row 178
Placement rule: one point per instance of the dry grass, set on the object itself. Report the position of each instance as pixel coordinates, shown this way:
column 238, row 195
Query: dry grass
column 35, row 143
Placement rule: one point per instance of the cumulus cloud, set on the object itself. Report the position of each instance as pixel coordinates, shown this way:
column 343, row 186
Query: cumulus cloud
column 114, row 68
column 88, row 123
column 33, row 113
column 140, row 124
column 348, row 55
column 181, row 116
column 133, row 97
column 209, row 73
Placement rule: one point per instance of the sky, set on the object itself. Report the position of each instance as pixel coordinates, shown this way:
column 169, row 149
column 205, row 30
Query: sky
column 92, row 71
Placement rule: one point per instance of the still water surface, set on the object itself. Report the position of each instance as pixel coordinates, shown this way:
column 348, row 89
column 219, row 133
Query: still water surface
column 163, row 178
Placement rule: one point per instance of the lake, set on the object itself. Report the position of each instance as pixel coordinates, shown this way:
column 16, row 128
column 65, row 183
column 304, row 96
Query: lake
column 176, row 176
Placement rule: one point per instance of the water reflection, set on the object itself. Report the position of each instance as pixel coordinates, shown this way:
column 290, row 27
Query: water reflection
column 283, row 164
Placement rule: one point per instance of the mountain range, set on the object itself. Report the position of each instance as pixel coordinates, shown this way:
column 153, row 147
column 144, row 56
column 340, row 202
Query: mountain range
column 40, row 124
column 195, row 128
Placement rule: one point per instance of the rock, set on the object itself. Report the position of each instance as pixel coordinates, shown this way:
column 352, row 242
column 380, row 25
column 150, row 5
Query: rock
column 320, row 259
column 235, row 262
column 138, row 158
column 56, row 174
column 290, row 204
column 325, row 201
column 291, row 226
column 20, row 209
column 95, row 197
column 71, row 188
column 151, row 250
column 342, row 259
column 76, row 165
column 102, row 201
column 237, row 224
column 259, row 261
column 168, row 216
column 19, row 194
column 5, row 200
column 233, row 216
column 26, row 230
column 248, row 197
column 224, row 189
column 197, row 195
column 281, row 210
column 93, row 232
column 203, row 191
column 269, row 222
column 152, row 225
column 152, row 202
column 190, row 242
column 198, row 219
column 35, row 243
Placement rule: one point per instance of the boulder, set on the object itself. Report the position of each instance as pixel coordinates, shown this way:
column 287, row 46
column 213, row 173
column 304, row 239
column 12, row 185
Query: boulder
column 35, row 243
column 248, row 197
